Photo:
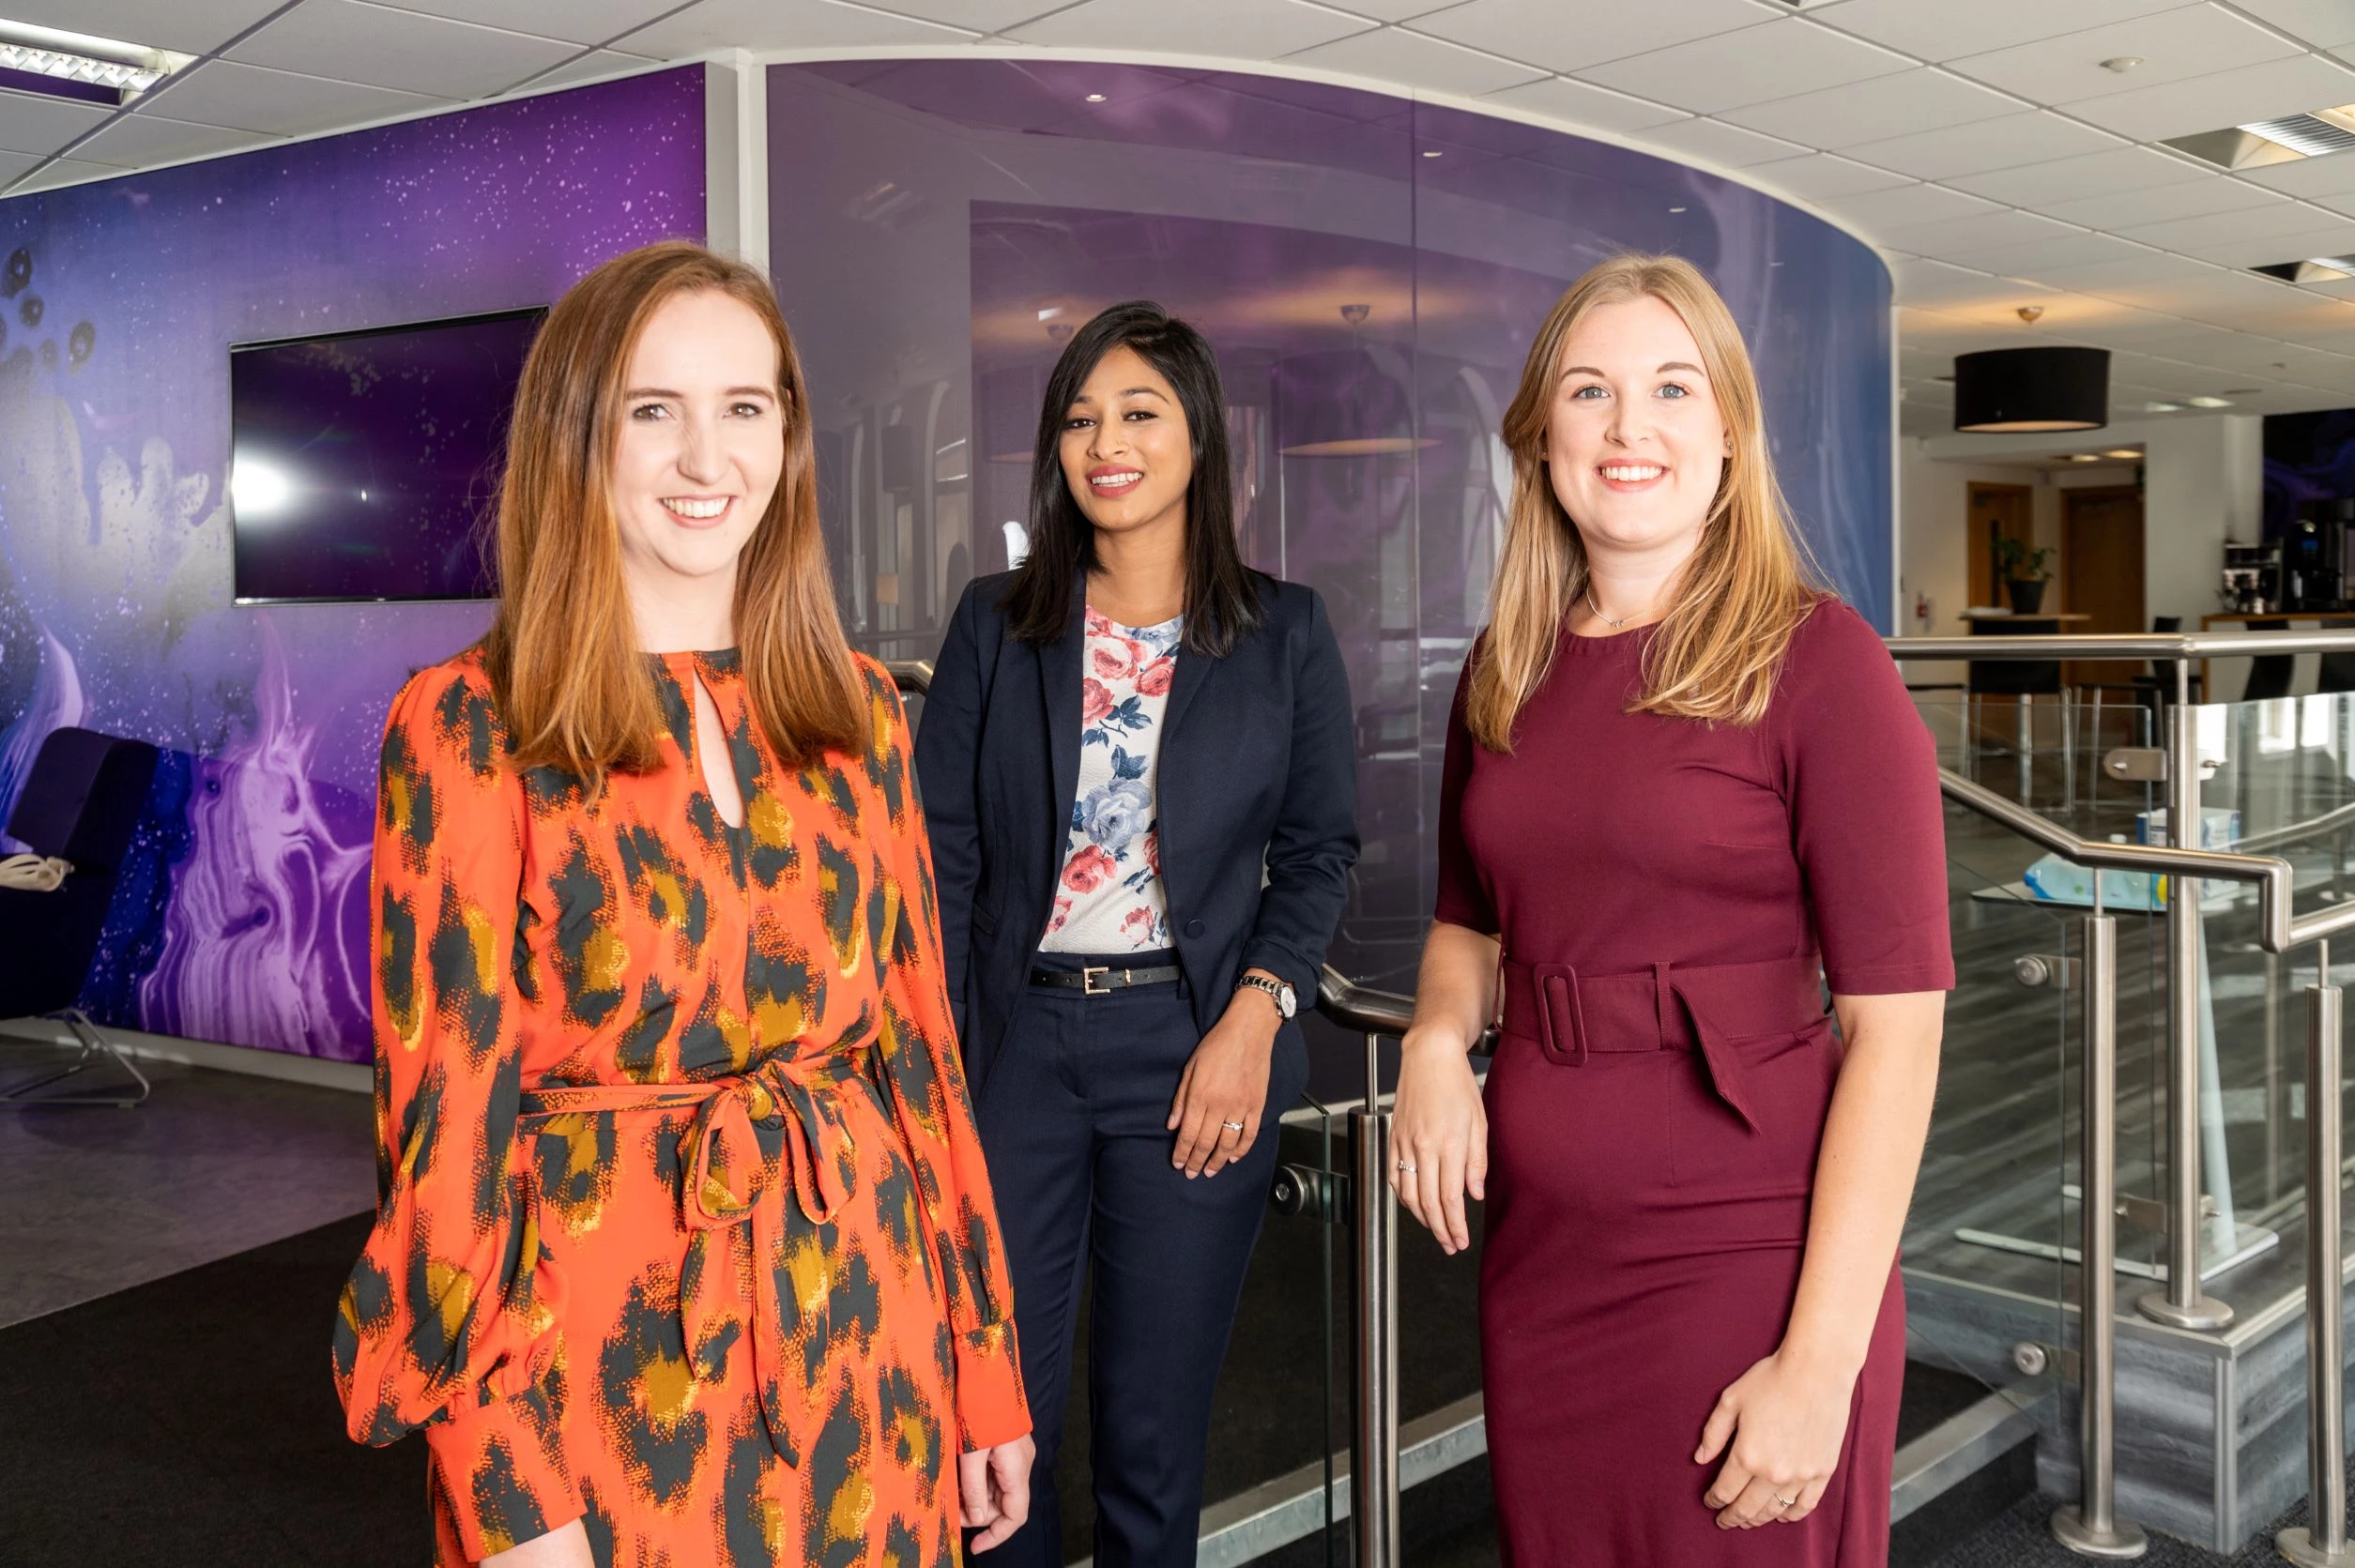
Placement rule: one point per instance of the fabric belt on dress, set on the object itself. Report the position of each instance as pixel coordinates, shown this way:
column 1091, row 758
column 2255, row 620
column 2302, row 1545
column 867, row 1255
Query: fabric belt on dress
column 753, row 1136
column 1702, row 1007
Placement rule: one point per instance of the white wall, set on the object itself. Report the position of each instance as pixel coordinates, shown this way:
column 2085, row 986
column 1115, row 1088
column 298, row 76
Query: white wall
column 2204, row 483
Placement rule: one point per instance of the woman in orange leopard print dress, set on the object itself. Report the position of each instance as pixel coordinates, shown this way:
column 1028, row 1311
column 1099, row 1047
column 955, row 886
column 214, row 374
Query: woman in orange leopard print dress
column 685, row 1253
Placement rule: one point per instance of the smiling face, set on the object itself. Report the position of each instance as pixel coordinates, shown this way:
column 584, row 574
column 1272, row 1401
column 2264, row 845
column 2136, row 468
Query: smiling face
column 1635, row 442
column 1127, row 452
column 701, row 444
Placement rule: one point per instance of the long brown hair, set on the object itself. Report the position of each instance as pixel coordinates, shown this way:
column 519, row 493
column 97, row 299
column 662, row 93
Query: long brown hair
column 562, row 652
column 1738, row 598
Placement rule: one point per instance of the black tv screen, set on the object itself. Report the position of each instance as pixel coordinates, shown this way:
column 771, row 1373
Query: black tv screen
column 363, row 464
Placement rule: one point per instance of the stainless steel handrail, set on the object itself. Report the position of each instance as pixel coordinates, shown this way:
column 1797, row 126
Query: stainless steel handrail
column 1361, row 1009
column 913, row 677
column 2161, row 646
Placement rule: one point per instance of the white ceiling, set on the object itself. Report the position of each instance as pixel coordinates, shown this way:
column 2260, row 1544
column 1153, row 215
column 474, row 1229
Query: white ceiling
column 1982, row 143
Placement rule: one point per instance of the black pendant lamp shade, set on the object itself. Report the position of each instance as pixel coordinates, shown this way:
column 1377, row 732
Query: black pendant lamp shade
column 2032, row 389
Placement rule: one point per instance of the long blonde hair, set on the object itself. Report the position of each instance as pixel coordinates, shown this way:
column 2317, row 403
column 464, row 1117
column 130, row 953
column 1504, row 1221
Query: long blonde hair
column 1747, row 584
column 562, row 650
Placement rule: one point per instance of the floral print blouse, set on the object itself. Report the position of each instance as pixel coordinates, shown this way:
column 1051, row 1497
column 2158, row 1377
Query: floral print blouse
column 1110, row 898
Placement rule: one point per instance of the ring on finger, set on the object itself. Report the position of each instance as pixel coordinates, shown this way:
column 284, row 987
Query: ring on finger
column 1232, row 1126
column 1407, row 1165
column 1785, row 1502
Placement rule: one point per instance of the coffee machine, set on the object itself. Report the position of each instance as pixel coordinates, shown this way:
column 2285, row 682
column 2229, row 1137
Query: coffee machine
column 2314, row 556
column 2253, row 578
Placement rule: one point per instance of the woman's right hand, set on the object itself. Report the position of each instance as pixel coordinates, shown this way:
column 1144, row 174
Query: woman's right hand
column 1440, row 1129
column 566, row 1546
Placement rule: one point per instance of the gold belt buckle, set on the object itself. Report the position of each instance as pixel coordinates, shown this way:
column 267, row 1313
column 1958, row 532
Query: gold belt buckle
column 1088, row 973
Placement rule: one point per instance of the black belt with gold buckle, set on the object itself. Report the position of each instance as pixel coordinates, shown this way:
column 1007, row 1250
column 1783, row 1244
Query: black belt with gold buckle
column 1102, row 979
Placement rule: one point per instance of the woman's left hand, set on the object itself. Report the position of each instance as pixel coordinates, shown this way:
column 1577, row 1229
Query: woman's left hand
column 1786, row 1420
column 1217, row 1114
column 993, row 1490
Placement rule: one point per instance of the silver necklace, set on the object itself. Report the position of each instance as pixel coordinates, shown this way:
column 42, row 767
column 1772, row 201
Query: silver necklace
column 1597, row 610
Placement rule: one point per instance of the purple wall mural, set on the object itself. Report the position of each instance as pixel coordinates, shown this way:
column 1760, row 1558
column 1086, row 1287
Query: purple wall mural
column 242, row 917
column 1370, row 271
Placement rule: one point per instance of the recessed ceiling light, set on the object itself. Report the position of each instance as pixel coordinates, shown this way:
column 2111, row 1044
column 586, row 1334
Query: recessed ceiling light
column 2085, row 457
column 1675, row 209
column 2162, row 409
column 2122, row 63
column 2123, row 451
column 1434, row 153
column 1095, row 97
column 2208, row 402
column 77, row 66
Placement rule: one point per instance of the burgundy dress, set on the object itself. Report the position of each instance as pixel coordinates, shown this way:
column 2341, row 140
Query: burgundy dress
column 1670, row 895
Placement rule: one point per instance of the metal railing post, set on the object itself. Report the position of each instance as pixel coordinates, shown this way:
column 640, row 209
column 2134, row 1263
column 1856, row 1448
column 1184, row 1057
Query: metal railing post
column 2321, row 1543
column 2182, row 1304
column 2090, row 1527
column 1373, row 1471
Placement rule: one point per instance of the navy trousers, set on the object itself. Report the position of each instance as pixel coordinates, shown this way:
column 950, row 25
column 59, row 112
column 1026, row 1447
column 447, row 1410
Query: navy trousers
column 1072, row 1121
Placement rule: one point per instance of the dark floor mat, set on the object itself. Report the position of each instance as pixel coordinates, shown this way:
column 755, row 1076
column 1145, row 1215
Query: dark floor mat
column 193, row 1420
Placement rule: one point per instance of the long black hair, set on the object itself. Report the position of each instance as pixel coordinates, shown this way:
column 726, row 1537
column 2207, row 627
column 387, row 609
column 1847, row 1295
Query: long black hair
column 1222, row 601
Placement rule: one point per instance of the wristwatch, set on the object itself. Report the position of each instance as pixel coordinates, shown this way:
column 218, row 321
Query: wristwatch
column 1286, row 1003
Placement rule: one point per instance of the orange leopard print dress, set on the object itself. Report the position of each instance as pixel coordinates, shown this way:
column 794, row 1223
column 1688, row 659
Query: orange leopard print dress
column 682, row 1227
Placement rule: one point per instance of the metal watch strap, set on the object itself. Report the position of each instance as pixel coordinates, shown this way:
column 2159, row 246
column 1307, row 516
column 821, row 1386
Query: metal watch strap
column 1272, row 989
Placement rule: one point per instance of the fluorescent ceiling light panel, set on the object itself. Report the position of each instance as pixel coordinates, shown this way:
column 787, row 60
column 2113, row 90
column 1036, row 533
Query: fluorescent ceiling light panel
column 77, row 66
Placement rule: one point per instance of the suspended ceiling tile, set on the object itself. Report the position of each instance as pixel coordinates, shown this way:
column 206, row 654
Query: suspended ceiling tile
column 277, row 102
column 42, row 124
column 1905, row 206
column 1249, row 29
column 1820, row 176
column 2033, row 137
column 996, row 16
column 2343, row 203
column 2174, row 45
column 2031, row 258
column 189, row 26
column 1781, row 59
column 1582, row 103
column 2127, row 273
column 2182, row 233
column 786, row 24
column 1720, row 143
column 2262, row 92
column 1394, row 54
column 1878, row 110
column 596, row 64
column 1373, row 11
column 573, row 21
column 2324, row 23
column 1946, row 31
column 1536, row 30
column 2003, row 226
column 353, row 41
column 140, row 140
column 1936, row 285
column 2310, row 177
column 15, row 163
column 2270, row 250
column 2069, row 180
column 64, row 171
column 2159, row 203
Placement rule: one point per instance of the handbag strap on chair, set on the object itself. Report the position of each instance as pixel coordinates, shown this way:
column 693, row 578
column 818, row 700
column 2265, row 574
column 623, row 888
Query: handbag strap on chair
column 39, row 874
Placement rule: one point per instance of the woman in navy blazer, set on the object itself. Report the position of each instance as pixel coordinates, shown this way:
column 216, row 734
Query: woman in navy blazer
column 1138, row 765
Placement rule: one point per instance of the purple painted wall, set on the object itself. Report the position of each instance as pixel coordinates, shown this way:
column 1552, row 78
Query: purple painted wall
column 242, row 916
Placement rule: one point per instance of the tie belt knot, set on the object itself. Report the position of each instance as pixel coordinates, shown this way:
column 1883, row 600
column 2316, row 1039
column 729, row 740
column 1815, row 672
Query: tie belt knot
column 753, row 1136
column 1570, row 1015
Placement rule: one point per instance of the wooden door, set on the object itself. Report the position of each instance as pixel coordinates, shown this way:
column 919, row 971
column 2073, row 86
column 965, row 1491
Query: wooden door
column 2102, row 572
column 1996, row 511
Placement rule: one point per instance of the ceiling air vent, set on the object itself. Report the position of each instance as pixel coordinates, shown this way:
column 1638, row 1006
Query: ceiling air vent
column 2279, row 141
column 2314, row 270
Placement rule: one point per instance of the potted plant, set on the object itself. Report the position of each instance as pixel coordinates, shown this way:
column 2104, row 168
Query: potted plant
column 2021, row 568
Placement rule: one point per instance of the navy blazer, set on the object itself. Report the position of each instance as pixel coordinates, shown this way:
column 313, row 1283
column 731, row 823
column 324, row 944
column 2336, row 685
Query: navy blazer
column 1257, row 768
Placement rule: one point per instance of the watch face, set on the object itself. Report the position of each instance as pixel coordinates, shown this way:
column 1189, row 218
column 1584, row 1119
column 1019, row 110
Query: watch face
column 1286, row 1000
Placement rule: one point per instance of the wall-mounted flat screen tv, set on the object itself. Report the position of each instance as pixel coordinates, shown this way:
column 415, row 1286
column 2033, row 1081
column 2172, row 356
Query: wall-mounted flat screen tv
column 364, row 465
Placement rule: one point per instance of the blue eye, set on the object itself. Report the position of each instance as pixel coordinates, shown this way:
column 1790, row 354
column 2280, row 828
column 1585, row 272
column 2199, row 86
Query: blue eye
column 1583, row 391
column 1673, row 390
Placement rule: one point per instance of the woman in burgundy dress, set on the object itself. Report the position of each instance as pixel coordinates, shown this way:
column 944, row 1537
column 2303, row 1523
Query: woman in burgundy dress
column 1684, row 791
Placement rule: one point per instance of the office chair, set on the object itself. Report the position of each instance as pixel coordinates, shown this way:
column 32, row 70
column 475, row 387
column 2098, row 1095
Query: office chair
column 81, row 804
